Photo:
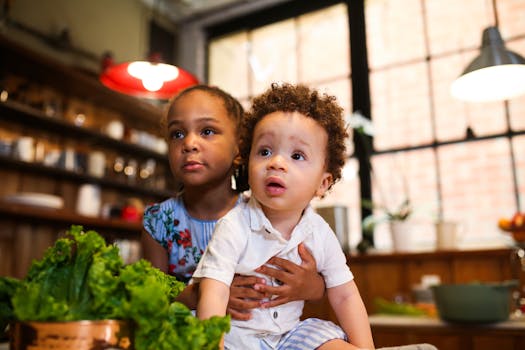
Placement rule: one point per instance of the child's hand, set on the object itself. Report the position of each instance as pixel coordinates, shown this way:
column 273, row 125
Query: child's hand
column 243, row 297
column 299, row 282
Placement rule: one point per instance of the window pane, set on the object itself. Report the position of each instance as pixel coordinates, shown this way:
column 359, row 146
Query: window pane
column 400, row 106
column 324, row 44
column 341, row 89
column 511, row 18
column 246, row 103
column 476, row 184
column 517, row 105
column 273, row 55
column 394, row 31
column 406, row 175
column 346, row 192
column 452, row 116
column 487, row 118
column 228, row 64
column 454, row 25
column 475, row 178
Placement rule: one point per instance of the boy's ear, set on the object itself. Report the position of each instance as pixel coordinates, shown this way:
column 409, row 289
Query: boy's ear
column 325, row 184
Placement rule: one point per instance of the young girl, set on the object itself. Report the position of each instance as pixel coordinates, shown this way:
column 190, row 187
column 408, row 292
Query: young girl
column 202, row 130
column 294, row 143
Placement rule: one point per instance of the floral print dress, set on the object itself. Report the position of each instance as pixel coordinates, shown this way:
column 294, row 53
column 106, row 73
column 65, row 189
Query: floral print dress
column 184, row 237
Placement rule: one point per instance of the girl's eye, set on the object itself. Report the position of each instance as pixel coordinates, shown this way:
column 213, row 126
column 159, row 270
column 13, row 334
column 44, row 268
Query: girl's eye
column 208, row 132
column 177, row 134
column 297, row 156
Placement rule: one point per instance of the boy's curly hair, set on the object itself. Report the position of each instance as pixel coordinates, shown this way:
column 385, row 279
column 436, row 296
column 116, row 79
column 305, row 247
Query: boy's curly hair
column 322, row 108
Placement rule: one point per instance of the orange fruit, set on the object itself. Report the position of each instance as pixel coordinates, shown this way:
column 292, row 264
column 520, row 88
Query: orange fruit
column 504, row 224
column 518, row 221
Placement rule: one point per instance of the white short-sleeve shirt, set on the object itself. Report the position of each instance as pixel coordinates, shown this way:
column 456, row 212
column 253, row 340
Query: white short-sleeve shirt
column 244, row 240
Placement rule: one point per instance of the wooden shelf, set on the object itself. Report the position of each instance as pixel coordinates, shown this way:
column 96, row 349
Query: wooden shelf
column 61, row 174
column 67, row 217
column 16, row 59
column 26, row 115
column 27, row 231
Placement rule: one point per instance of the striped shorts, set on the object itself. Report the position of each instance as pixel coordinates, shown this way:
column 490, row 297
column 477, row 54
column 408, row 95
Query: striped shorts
column 307, row 335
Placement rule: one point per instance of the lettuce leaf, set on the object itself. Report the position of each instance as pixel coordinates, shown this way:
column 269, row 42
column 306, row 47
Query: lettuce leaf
column 83, row 278
column 8, row 286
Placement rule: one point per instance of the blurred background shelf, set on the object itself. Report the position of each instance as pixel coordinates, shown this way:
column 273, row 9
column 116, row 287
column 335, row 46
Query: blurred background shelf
column 68, row 116
column 17, row 59
column 34, row 118
column 62, row 174
column 34, row 214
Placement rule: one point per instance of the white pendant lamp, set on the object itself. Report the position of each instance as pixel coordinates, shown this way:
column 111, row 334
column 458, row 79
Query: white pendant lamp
column 497, row 74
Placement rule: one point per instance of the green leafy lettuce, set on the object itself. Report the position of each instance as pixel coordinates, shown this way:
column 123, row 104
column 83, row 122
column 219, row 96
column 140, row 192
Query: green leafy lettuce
column 83, row 278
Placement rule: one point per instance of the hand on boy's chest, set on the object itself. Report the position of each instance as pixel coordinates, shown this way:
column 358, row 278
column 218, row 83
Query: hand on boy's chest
column 265, row 245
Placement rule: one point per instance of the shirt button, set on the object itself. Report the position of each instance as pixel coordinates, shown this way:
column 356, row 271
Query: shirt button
column 275, row 314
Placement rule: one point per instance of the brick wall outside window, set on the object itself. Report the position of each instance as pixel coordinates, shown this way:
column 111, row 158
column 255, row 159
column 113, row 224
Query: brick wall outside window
column 471, row 182
column 416, row 48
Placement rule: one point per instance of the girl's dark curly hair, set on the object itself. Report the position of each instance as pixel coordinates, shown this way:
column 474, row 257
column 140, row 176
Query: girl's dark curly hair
column 233, row 107
column 322, row 108
column 235, row 112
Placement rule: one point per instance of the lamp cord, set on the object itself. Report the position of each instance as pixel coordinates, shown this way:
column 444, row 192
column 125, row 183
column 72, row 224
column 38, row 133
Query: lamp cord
column 495, row 9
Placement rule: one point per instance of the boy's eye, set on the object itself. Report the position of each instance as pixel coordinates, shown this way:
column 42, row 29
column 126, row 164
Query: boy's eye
column 265, row 152
column 297, row 156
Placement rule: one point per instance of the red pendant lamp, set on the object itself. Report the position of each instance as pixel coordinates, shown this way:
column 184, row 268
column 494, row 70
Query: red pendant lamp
column 146, row 79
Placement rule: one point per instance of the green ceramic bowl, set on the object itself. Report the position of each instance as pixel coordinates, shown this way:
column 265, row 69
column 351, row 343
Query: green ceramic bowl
column 474, row 302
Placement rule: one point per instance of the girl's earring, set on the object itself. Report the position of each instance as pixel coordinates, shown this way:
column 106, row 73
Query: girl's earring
column 233, row 182
column 240, row 179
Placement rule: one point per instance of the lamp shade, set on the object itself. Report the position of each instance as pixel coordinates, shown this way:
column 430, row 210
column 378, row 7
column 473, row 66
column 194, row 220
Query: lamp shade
column 496, row 74
column 147, row 79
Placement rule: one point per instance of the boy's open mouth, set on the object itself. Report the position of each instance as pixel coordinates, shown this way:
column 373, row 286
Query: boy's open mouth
column 275, row 182
column 274, row 186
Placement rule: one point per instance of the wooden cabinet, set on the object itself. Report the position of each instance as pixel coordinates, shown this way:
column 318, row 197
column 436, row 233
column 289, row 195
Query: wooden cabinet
column 392, row 275
column 401, row 330
column 82, row 108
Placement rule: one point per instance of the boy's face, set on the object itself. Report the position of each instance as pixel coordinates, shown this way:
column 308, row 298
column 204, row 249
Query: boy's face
column 202, row 140
column 287, row 161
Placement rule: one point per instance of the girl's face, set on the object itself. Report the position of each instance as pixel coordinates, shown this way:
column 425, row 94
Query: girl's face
column 202, row 140
column 287, row 162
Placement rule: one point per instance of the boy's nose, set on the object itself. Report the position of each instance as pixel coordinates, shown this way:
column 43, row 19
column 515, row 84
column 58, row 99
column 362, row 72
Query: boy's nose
column 277, row 162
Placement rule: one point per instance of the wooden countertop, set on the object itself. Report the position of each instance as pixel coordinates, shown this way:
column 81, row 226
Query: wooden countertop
column 379, row 320
column 431, row 254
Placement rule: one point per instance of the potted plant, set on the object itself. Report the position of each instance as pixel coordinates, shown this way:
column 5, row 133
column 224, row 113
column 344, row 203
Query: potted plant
column 396, row 218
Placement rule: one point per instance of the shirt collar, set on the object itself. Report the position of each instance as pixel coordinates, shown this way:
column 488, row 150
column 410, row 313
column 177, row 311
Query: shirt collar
column 260, row 223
